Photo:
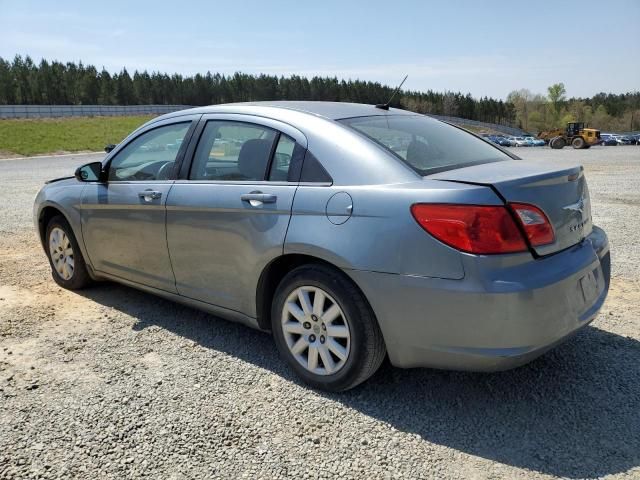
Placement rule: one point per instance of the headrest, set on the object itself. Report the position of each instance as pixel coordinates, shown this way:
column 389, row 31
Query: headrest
column 253, row 158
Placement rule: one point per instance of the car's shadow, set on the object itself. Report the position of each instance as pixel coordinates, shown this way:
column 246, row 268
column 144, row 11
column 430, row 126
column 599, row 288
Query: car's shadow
column 574, row 413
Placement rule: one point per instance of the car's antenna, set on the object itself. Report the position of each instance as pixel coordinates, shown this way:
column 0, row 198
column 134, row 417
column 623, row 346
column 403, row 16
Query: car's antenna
column 385, row 106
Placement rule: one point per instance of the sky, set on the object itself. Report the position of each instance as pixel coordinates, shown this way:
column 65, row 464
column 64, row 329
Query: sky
column 485, row 48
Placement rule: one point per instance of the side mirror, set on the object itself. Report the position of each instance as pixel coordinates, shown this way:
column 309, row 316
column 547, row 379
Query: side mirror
column 91, row 172
column 109, row 147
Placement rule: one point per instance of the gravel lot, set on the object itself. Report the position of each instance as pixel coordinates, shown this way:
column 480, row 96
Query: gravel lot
column 114, row 383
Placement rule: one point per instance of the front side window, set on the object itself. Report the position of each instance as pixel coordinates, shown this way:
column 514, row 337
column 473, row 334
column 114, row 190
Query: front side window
column 232, row 151
column 425, row 144
column 151, row 156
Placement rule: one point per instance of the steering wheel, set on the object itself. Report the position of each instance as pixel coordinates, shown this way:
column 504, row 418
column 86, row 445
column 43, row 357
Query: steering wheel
column 164, row 172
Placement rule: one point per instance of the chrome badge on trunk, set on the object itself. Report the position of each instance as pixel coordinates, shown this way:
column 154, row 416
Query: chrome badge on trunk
column 582, row 210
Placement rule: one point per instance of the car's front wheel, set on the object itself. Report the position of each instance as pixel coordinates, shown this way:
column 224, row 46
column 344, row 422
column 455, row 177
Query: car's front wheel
column 325, row 329
column 67, row 263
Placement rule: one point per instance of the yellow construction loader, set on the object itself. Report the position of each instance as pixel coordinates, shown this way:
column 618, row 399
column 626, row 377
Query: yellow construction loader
column 575, row 135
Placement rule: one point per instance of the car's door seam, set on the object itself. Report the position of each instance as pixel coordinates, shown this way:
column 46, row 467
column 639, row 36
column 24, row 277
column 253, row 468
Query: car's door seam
column 293, row 201
column 166, row 237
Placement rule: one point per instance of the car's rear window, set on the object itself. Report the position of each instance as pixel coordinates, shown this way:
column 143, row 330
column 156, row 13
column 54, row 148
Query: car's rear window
column 426, row 145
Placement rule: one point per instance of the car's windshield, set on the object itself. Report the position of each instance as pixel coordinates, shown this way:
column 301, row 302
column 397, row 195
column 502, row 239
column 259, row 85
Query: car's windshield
column 427, row 145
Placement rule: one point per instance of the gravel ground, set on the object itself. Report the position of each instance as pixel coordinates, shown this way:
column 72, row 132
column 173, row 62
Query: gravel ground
column 114, row 383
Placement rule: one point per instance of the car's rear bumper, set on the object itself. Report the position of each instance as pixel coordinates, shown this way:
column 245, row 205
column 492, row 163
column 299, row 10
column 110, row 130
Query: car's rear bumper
column 504, row 313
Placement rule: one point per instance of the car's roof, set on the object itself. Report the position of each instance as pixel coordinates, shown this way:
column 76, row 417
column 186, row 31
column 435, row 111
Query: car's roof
column 329, row 110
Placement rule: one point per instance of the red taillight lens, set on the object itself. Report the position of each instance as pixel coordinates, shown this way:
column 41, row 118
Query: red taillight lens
column 535, row 223
column 471, row 228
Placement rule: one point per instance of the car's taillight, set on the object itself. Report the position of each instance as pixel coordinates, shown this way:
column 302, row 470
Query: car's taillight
column 479, row 229
column 485, row 229
column 535, row 224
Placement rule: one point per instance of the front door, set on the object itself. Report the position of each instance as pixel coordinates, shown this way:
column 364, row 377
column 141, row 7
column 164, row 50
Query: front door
column 229, row 218
column 123, row 219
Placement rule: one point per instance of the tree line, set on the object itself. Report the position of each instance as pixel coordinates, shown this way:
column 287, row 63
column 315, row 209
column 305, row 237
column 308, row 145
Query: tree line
column 605, row 111
column 23, row 82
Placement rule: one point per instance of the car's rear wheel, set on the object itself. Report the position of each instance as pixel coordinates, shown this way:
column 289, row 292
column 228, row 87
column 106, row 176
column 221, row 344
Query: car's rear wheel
column 325, row 329
column 578, row 142
column 68, row 267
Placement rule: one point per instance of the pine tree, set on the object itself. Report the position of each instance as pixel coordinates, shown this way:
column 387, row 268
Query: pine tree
column 56, row 83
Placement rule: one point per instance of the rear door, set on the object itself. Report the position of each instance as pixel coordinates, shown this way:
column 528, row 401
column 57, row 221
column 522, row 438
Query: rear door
column 123, row 219
column 227, row 216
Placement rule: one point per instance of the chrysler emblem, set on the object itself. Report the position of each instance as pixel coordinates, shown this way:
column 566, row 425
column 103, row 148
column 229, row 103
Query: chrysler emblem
column 576, row 207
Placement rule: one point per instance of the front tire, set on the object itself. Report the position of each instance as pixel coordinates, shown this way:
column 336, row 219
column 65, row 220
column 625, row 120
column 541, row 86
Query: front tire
column 557, row 143
column 325, row 329
column 68, row 267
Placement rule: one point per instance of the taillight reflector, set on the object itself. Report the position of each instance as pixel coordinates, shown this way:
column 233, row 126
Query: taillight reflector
column 535, row 224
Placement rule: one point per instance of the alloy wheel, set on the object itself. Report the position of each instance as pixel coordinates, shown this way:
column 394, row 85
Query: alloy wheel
column 61, row 253
column 316, row 330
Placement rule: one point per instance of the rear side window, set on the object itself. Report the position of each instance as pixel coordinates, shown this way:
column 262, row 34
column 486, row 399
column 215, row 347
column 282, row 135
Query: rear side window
column 425, row 144
column 232, row 151
column 282, row 159
column 313, row 171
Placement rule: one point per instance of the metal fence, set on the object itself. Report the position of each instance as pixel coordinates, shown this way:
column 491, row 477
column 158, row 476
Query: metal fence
column 474, row 123
column 53, row 111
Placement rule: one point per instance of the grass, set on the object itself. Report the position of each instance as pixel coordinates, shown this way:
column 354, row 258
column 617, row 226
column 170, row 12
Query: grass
column 77, row 134
column 39, row 136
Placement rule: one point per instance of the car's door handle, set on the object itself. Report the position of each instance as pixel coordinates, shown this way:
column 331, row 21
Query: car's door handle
column 258, row 198
column 149, row 195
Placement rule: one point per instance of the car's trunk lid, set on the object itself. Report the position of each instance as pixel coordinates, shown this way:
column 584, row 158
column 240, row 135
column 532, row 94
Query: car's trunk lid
column 560, row 191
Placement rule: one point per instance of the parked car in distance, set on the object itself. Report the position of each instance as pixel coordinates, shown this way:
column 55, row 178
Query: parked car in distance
column 535, row 142
column 608, row 140
column 521, row 142
column 502, row 141
column 299, row 218
column 497, row 139
column 625, row 140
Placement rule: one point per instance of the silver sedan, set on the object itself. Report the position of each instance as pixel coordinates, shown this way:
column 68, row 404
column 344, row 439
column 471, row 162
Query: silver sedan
column 350, row 232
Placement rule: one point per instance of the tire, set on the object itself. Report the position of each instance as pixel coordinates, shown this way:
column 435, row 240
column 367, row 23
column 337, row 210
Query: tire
column 356, row 329
column 69, row 270
column 578, row 143
column 557, row 143
column 587, row 146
